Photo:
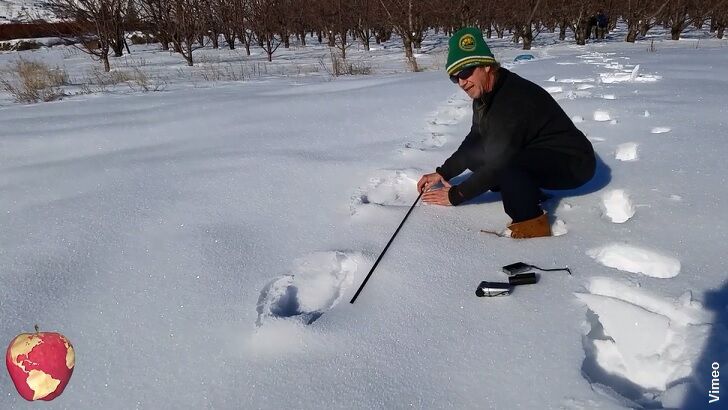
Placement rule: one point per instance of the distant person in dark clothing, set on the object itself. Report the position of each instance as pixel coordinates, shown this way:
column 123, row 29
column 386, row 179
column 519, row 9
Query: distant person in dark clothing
column 602, row 23
column 520, row 141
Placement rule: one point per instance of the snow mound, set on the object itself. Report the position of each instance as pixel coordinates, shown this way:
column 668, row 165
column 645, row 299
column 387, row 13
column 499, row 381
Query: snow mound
column 636, row 260
column 626, row 151
column 639, row 342
column 583, row 87
column 577, row 119
column 609, row 97
column 316, row 285
column 559, row 228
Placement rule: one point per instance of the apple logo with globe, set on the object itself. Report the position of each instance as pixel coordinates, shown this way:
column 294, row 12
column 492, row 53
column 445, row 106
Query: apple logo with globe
column 40, row 364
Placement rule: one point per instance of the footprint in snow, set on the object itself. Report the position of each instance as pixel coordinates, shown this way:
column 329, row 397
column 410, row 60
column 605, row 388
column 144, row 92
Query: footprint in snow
column 434, row 141
column 641, row 347
column 632, row 75
column 660, row 130
column 618, row 207
column 315, row 285
column 389, row 188
column 601, row 115
column 626, row 152
column 554, row 89
column 634, row 259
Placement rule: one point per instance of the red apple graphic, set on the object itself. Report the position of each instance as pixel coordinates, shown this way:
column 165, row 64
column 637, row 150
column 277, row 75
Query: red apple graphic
column 40, row 364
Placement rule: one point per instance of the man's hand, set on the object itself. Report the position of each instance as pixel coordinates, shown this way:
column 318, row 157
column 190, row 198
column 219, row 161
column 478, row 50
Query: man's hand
column 429, row 180
column 438, row 196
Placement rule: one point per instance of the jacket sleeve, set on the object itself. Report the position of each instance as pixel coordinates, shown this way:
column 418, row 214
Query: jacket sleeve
column 506, row 136
column 456, row 164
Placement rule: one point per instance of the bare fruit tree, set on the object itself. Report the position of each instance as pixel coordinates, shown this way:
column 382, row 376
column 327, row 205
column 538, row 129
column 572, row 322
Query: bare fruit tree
column 267, row 23
column 96, row 23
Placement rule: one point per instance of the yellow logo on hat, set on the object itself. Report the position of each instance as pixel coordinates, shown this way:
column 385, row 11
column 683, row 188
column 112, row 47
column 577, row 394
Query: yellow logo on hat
column 467, row 42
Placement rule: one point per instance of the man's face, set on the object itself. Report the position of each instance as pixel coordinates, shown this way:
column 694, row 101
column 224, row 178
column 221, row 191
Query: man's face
column 475, row 84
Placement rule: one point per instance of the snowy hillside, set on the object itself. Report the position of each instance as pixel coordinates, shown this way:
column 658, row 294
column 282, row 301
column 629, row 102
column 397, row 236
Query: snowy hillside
column 199, row 245
column 22, row 10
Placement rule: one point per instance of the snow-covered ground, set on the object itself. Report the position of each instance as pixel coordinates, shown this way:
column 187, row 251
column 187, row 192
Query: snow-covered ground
column 199, row 245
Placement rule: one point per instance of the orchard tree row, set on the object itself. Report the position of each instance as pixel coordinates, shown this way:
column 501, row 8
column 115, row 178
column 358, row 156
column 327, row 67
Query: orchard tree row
column 186, row 25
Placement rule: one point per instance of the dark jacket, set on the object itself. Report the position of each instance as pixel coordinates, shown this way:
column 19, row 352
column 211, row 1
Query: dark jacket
column 516, row 115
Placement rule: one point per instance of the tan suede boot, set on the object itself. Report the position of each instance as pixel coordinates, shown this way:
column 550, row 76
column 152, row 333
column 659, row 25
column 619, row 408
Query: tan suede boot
column 532, row 228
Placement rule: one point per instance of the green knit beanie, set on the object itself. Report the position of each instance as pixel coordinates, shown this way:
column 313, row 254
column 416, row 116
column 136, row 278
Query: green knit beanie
column 466, row 49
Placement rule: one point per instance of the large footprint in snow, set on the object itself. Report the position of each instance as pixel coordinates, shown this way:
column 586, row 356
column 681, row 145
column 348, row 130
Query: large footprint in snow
column 316, row 284
column 640, row 345
column 633, row 259
column 389, row 188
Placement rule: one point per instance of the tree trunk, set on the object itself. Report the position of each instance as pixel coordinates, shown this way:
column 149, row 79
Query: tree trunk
column 489, row 32
column 631, row 34
column 580, row 32
column 675, row 31
column 118, row 48
column 117, row 45
column 303, row 38
column 527, row 37
column 230, row 40
column 407, row 47
column 105, row 60
column 720, row 30
column 562, row 31
column 188, row 47
column 644, row 27
column 366, row 39
column 343, row 46
column 215, row 39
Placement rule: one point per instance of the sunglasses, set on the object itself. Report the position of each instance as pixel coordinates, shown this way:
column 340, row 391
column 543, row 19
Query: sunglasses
column 463, row 74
